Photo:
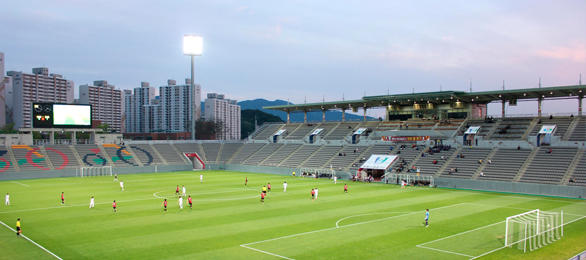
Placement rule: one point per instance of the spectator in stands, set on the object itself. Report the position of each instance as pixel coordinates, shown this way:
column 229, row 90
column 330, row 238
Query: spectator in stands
column 482, row 174
column 550, row 117
column 489, row 161
column 480, row 161
column 550, row 150
column 572, row 180
column 434, row 162
column 443, row 157
column 518, row 147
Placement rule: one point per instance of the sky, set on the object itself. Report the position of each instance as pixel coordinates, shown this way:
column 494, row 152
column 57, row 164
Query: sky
column 310, row 50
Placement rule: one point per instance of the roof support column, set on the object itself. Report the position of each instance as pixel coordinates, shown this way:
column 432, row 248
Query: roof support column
column 51, row 137
column 74, row 137
column 304, row 116
column 288, row 116
column 580, row 105
column 323, row 115
column 343, row 114
column 365, row 113
column 503, row 109
column 539, row 101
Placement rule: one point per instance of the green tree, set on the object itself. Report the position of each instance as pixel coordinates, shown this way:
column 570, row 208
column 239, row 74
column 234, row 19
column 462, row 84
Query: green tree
column 247, row 120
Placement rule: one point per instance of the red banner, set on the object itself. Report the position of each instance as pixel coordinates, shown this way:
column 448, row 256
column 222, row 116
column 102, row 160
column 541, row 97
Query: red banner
column 404, row 138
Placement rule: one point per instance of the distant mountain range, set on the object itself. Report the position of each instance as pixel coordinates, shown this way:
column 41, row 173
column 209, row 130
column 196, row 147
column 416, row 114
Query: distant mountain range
column 295, row 117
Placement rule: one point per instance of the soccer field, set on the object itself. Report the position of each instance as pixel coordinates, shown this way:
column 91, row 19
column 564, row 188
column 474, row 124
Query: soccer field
column 228, row 221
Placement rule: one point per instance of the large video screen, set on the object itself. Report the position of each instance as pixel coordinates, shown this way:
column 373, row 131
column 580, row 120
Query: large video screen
column 72, row 115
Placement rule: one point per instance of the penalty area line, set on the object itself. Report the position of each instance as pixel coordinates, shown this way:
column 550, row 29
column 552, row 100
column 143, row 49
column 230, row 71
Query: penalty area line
column 265, row 252
column 34, row 243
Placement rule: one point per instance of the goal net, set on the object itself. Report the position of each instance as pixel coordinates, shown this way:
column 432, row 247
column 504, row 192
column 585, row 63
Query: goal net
column 95, row 171
column 319, row 172
column 534, row 229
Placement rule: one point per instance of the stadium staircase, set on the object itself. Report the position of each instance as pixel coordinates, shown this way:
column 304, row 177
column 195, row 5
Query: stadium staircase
column 228, row 150
column 299, row 156
column 573, row 166
column 506, row 164
column 549, row 168
column 180, row 154
column 525, row 165
column 12, row 158
column 49, row 162
column 105, row 155
column 133, row 154
column 570, row 129
column 579, row 131
column 448, row 161
column 323, row 155
column 579, row 174
column 485, row 163
column 281, row 154
column 246, row 151
column 75, row 154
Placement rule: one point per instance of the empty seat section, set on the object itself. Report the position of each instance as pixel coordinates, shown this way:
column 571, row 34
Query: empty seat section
column 228, row 150
column 579, row 133
column 295, row 160
column 344, row 158
column 61, row 156
column 321, row 156
column 547, row 167
column 245, row 152
column 505, row 165
column 426, row 165
column 267, row 131
column 511, row 128
column 119, row 155
column 301, row 131
column 343, row 130
column 211, row 151
column 579, row 175
column 170, row 155
column 29, row 157
column 262, row 154
column 90, row 155
column 6, row 163
column 145, row 154
column 467, row 166
column 279, row 155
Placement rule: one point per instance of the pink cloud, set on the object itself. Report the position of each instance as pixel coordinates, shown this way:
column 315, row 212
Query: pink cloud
column 575, row 53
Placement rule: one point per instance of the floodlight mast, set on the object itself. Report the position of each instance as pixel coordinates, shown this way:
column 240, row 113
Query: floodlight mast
column 193, row 46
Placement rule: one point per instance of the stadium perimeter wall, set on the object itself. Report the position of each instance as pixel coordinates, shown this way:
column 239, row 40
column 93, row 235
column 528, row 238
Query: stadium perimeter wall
column 72, row 172
column 513, row 187
column 264, row 169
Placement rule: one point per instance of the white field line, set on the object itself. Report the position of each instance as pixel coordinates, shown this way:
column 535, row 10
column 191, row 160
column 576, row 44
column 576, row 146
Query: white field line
column 30, row 240
column 265, row 252
column 368, row 214
column 462, row 233
column 21, row 184
column 331, row 228
column 68, row 206
column 497, row 249
column 444, row 251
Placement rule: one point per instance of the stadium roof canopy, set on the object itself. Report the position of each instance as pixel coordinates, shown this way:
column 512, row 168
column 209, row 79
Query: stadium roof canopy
column 482, row 97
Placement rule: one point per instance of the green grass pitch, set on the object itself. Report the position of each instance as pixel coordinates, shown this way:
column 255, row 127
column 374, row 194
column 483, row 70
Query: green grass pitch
column 228, row 221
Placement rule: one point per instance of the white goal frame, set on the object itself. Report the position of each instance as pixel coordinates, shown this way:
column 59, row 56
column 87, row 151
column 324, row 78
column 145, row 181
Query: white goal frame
column 94, row 171
column 539, row 229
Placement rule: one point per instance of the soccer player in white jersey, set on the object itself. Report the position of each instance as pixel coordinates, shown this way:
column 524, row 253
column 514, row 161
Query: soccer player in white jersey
column 316, row 193
column 121, row 185
column 285, row 186
column 92, row 202
column 180, row 202
column 201, row 178
column 335, row 179
column 184, row 190
column 427, row 218
column 7, row 199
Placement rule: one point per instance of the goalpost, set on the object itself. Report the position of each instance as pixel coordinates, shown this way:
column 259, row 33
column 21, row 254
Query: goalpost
column 317, row 171
column 534, row 229
column 95, row 171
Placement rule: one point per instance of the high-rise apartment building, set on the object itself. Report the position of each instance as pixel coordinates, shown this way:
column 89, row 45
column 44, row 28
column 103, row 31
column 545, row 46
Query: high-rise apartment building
column 226, row 112
column 106, row 103
column 2, row 92
column 170, row 112
column 176, row 113
column 40, row 86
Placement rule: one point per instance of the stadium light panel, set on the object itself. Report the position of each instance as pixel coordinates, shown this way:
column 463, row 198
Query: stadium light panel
column 192, row 45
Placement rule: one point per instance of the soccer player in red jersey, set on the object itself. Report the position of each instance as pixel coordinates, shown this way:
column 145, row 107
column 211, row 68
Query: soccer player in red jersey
column 269, row 186
column 246, row 181
column 62, row 198
column 262, row 197
column 312, row 194
column 177, row 191
column 190, row 201
column 114, row 206
column 165, row 205
column 346, row 187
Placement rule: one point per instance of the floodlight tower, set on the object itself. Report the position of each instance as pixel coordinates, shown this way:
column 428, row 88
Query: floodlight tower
column 193, row 46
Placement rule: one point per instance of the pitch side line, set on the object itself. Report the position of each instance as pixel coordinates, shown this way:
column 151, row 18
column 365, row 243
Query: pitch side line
column 444, row 251
column 34, row 243
column 326, row 229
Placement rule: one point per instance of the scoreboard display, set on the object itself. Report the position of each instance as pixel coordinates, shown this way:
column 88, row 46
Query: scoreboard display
column 51, row 115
